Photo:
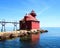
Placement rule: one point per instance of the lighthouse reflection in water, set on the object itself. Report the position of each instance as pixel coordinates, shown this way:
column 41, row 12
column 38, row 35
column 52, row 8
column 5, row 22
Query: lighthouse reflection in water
column 31, row 41
column 50, row 39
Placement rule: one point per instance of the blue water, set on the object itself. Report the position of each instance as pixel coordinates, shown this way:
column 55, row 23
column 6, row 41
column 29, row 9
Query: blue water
column 50, row 39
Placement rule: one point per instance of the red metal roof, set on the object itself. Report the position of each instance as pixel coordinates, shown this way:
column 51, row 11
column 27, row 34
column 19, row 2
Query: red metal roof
column 28, row 18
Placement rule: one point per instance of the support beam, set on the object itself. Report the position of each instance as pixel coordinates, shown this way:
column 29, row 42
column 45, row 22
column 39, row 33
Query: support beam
column 15, row 27
column 3, row 23
column 3, row 26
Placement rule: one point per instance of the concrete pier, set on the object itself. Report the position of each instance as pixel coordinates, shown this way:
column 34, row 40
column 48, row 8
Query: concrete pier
column 21, row 33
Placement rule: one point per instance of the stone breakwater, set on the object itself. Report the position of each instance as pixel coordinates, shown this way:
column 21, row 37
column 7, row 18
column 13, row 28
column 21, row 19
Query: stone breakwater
column 21, row 33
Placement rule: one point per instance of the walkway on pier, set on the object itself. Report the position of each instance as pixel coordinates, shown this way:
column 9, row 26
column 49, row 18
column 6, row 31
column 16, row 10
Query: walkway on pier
column 3, row 24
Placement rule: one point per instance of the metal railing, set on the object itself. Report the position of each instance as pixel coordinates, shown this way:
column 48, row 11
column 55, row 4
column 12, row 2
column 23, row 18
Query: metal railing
column 3, row 23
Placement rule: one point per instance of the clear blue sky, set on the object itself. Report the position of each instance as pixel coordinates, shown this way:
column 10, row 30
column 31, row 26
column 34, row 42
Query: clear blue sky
column 48, row 11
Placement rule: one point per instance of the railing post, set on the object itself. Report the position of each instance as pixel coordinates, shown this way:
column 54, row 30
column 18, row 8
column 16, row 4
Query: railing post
column 15, row 26
column 3, row 26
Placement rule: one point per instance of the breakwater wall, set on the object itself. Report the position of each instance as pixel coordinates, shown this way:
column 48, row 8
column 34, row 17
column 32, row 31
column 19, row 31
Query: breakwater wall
column 20, row 33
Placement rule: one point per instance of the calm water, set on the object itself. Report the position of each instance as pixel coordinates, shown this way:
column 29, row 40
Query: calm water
column 50, row 39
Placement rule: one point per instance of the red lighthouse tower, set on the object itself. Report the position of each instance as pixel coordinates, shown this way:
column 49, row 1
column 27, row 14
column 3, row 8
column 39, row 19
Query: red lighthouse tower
column 29, row 22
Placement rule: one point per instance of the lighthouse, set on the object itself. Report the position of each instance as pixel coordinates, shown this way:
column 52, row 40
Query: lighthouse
column 29, row 22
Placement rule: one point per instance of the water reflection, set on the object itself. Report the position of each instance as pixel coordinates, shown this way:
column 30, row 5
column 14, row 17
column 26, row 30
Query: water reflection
column 45, row 40
column 32, row 43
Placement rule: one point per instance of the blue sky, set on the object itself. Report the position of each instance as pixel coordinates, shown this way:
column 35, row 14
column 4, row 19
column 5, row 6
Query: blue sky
column 48, row 11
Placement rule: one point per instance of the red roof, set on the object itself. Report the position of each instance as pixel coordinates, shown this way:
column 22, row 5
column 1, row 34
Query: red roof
column 29, row 18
